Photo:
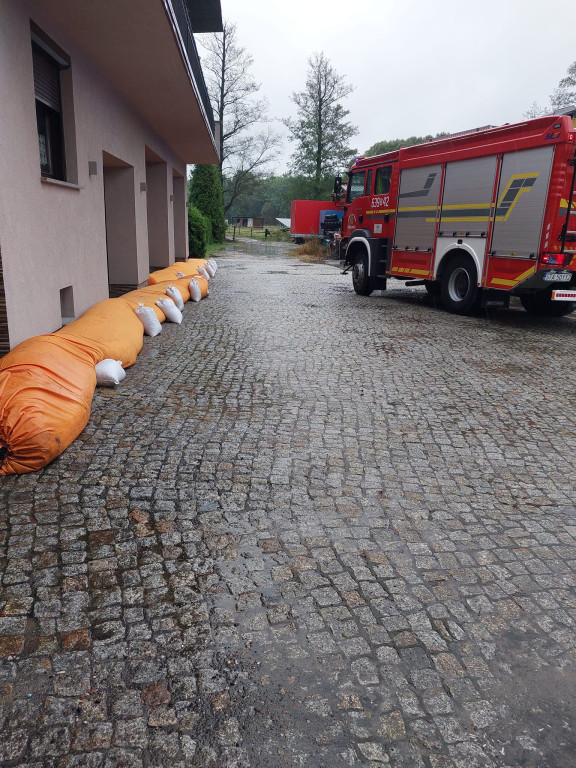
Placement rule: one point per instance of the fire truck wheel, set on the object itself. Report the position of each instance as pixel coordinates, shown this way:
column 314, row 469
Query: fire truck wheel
column 432, row 287
column 360, row 279
column 459, row 289
column 541, row 305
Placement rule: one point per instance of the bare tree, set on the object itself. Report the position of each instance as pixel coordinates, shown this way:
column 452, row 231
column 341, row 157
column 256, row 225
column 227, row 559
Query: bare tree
column 565, row 94
column 244, row 149
column 251, row 158
column 321, row 131
column 534, row 111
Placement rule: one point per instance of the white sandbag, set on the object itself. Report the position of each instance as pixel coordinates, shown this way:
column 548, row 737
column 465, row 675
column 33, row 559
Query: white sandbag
column 148, row 318
column 205, row 274
column 210, row 269
column 176, row 296
column 109, row 372
column 180, row 274
column 213, row 264
column 173, row 314
column 195, row 292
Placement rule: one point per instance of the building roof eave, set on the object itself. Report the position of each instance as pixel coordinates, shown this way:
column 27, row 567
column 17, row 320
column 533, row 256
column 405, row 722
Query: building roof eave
column 205, row 15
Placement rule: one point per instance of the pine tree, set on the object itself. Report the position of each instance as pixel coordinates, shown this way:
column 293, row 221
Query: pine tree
column 205, row 193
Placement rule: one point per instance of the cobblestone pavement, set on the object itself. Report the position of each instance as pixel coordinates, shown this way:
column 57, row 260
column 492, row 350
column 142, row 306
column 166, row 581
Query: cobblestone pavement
column 309, row 529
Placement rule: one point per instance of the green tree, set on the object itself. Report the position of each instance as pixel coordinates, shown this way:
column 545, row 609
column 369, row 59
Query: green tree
column 381, row 147
column 277, row 196
column 205, row 192
column 321, row 131
column 250, row 198
column 305, row 188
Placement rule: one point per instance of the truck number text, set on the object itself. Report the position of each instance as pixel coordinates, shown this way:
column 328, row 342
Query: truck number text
column 380, row 202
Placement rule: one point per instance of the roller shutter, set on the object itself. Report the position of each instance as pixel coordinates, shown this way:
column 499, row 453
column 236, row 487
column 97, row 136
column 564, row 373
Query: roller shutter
column 46, row 79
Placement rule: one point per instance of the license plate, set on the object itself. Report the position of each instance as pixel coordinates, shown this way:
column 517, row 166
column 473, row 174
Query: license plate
column 563, row 295
column 558, row 277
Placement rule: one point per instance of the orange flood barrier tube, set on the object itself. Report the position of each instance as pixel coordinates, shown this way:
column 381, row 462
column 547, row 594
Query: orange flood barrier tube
column 47, row 383
column 187, row 268
column 46, row 387
column 111, row 329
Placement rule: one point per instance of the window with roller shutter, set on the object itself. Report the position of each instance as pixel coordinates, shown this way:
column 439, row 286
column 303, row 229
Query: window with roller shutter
column 47, row 91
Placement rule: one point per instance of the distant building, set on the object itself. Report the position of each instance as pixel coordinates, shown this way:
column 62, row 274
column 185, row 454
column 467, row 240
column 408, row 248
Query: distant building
column 102, row 106
column 249, row 221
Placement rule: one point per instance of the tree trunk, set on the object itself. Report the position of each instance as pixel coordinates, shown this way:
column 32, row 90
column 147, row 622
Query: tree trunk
column 221, row 110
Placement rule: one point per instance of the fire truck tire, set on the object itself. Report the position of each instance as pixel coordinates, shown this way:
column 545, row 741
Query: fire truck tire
column 459, row 288
column 541, row 305
column 433, row 287
column 360, row 279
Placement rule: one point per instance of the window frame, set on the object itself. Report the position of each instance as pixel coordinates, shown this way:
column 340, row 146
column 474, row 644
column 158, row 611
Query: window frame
column 380, row 175
column 47, row 54
column 50, row 128
column 349, row 197
column 368, row 182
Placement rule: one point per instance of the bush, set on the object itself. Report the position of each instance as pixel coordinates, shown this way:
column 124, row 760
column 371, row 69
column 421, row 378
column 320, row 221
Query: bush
column 282, row 235
column 313, row 249
column 199, row 233
column 205, row 192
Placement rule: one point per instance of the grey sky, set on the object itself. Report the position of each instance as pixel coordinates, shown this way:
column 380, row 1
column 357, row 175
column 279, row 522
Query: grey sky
column 418, row 67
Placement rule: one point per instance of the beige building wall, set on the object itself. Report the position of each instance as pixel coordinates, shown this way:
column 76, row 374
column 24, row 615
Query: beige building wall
column 54, row 235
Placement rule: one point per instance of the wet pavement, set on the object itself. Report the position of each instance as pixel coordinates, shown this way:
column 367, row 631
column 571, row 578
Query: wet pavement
column 309, row 529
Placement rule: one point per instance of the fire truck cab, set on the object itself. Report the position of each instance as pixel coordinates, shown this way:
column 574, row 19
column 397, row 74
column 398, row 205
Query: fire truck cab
column 475, row 217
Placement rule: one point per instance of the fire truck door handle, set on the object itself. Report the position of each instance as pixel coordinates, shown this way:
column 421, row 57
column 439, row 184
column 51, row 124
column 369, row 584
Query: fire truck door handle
column 360, row 219
column 386, row 218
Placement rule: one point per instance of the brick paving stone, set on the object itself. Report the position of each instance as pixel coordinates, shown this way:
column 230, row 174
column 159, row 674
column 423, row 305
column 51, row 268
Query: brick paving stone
column 309, row 528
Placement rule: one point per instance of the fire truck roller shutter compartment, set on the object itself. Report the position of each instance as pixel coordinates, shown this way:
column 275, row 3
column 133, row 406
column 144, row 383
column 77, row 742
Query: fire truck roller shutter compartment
column 521, row 202
column 417, row 208
column 466, row 202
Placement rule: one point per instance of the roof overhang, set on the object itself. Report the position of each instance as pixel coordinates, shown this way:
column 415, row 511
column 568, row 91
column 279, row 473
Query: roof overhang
column 205, row 15
column 137, row 45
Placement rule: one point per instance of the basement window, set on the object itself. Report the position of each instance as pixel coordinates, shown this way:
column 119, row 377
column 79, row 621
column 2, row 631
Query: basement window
column 67, row 304
column 49, row 62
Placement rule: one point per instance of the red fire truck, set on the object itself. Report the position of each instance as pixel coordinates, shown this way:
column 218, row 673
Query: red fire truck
column 475, row 218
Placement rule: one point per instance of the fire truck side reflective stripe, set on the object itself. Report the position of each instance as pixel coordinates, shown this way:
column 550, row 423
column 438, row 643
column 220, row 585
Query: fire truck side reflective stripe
column 517, row 184
column 421, row 192
column 418, row 213
column 407, row 271
column 564, row 207
column 511, row 283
